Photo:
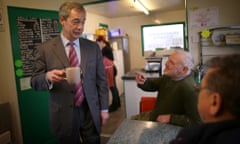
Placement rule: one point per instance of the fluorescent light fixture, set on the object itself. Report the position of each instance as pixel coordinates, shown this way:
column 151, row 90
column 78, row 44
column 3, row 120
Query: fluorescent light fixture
column 157, row 21
column 139, row 5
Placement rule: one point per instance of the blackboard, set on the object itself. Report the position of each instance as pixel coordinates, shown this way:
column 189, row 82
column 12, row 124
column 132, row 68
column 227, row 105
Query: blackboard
column 28, row 29
column 32, row 32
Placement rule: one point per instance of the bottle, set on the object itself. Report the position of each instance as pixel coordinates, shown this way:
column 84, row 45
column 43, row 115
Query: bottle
column 198, row 75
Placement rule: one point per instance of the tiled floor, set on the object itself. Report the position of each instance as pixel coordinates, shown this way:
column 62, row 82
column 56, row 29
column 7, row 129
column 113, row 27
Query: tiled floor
column 114, row 121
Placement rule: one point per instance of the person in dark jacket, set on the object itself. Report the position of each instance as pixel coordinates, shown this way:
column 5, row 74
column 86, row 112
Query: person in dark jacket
column 218, row 105
column 107, row 52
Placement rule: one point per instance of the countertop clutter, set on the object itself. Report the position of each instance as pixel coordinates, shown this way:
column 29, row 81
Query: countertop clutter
column 143, row 132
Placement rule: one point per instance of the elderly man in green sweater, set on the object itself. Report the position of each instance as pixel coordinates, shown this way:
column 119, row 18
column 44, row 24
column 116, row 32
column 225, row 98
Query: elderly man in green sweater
column 176, row 100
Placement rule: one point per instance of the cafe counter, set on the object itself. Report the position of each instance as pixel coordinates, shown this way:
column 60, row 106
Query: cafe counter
column 133, row 94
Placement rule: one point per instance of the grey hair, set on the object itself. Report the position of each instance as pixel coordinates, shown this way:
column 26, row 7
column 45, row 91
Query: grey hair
column 66, row 8
column 186, row 59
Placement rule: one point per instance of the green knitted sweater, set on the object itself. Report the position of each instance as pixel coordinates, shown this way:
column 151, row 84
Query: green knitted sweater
column 177, row 98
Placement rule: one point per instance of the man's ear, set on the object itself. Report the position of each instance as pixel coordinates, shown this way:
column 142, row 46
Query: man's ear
column 216, row 103
column 185, row 69
column 61, row 20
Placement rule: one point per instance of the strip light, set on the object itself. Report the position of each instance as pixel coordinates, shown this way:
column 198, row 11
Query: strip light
column 139, row 5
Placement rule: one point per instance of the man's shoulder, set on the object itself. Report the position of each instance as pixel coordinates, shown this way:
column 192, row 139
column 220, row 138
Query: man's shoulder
column 189, row 80
column 220, row 132
column 87, row 41
column 187, row 85
column 54, row 40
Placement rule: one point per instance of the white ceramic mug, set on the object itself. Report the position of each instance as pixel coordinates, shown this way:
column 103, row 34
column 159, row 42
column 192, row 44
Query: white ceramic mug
column 73, row 75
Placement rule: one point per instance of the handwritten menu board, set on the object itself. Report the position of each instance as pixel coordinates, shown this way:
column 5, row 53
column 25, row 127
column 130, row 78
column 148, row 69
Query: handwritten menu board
column 32, row 32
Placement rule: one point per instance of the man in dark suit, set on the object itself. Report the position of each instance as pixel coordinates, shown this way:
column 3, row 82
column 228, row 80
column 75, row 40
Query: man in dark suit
column 71, row 123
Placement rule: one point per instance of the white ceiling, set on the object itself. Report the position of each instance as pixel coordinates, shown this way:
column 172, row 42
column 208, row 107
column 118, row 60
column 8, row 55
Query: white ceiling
column 122, row 8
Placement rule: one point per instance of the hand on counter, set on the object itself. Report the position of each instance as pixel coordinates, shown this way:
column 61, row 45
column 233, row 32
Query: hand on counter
column 163, row 118
column 140, row 78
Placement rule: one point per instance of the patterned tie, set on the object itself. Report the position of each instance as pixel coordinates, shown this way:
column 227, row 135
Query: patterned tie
column 73, row 60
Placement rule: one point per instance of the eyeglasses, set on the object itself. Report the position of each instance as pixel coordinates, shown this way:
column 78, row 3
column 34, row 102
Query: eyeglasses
column 77, row 22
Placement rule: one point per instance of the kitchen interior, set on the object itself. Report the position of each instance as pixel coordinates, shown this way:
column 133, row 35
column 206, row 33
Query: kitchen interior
column 211, row 28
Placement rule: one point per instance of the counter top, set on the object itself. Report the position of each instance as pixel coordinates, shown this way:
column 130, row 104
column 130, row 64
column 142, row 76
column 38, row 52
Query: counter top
column 131, row 74
column 143, row 132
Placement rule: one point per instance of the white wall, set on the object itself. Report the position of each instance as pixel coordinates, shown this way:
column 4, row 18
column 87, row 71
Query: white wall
column 228, row 16
column 132, row 27
column 93, row 21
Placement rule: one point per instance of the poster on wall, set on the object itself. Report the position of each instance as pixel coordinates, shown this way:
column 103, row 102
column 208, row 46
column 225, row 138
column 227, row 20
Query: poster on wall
column 204, row 17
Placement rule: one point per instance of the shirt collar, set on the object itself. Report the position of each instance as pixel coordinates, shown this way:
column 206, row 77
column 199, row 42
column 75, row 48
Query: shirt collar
column 66, row 41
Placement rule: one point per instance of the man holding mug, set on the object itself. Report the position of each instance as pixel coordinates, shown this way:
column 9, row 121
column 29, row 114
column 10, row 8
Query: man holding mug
column 72, row 122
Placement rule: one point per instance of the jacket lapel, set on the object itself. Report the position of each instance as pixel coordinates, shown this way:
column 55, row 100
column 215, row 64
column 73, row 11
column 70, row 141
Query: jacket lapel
column 84, row 55
column 59, row 51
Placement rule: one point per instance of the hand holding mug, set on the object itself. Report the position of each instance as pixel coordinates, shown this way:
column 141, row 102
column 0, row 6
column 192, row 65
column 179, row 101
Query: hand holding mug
column 55, row 75
column 73, row 75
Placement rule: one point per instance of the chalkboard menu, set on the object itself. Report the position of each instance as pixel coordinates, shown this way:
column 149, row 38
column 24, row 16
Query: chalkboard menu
column 32, row 32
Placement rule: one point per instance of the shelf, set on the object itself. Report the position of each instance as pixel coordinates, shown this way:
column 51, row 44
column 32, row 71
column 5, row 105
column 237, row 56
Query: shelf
column 222, row 41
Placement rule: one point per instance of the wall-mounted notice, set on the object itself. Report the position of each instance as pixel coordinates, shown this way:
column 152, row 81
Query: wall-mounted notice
column 32, row 32
column 204, row 17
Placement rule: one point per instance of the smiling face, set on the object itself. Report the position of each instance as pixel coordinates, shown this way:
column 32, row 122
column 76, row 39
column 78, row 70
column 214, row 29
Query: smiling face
column 73, row 25
column 173, row 67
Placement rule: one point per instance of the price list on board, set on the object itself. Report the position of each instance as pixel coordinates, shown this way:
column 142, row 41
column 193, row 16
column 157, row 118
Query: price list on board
column 31, row 33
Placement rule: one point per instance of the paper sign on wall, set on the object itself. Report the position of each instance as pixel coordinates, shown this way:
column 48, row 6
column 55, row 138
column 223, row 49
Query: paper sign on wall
column 204, row 17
